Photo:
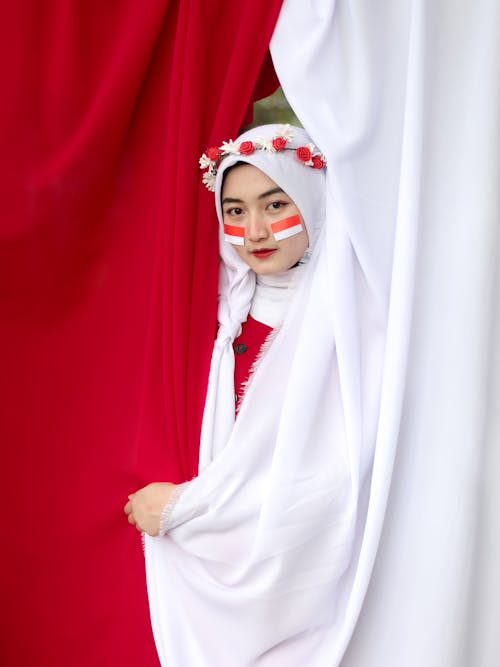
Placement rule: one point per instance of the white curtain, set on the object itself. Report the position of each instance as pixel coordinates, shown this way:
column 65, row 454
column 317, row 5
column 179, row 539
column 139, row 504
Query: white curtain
column 403, row 97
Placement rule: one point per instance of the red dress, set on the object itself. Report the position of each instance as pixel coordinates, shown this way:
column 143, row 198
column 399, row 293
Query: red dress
column 246, row 348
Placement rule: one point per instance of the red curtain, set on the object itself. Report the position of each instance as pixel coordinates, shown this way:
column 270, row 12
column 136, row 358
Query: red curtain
column 108, row 272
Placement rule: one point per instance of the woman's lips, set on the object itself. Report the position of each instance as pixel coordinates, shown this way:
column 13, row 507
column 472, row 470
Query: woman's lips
column 262, row 254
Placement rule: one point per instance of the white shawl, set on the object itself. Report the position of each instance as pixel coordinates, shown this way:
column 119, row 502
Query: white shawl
column 258, row 562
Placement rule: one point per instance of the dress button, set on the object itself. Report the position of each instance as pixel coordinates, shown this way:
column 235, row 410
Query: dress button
column 239, row 348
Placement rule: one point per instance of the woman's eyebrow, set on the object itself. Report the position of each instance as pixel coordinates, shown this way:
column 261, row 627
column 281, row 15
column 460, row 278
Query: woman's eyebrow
column 232, row 200
column 274, row 191
column 235, row 200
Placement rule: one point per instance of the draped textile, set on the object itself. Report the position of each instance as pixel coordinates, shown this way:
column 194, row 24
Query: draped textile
column 108, row 274
column 404, row 98
column 261, row 544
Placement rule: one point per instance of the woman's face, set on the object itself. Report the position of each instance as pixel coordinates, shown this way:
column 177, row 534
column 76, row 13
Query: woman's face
column 254, row 203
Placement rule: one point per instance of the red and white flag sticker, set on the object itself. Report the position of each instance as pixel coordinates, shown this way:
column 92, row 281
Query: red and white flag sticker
column 234, row 234
column 283, row 229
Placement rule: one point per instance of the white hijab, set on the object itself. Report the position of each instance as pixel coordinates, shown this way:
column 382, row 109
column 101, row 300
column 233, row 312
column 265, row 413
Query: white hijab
column 258, row 562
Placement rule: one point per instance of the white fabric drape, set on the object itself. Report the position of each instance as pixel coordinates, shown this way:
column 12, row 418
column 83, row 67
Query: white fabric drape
column 404, row 99
column 267, row 536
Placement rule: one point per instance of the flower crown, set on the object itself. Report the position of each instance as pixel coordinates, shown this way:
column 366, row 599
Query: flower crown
column 309, row 155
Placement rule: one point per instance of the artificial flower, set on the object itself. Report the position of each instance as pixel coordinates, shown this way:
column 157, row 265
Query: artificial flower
column 318, row 162
column 247, row 148
column 279, row 143
column 304, row 154
column 266, row 144
column 208, row 179
column 285, row 131
column 229, row 147
column 205, row 161
column 214, row 153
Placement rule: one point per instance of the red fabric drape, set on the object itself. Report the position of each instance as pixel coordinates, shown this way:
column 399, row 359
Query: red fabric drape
column 108, row 271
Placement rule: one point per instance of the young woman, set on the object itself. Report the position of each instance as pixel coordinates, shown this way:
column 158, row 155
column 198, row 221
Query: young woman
column 248, row 563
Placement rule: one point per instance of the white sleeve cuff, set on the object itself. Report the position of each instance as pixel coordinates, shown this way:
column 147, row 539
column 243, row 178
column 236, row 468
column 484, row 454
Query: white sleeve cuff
column 166, row 513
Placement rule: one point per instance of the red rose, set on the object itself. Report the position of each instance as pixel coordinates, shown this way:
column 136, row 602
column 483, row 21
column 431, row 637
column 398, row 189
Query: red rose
column 303, row 153
column 247, row 148
column 279, row 143
column 214, row 153
column 318, row 163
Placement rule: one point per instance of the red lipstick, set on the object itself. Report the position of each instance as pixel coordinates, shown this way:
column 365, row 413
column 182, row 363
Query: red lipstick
column 263, row 253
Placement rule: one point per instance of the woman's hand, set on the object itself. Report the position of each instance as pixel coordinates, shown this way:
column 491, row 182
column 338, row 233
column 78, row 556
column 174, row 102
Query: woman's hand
column 144, row 507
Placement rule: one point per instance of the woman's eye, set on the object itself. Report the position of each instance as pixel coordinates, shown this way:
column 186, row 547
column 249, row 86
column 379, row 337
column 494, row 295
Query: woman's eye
column 276, row 205
column 234, row 211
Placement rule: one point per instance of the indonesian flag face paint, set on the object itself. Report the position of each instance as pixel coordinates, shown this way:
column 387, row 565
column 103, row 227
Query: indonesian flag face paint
column 234, row 234
column 283, row 229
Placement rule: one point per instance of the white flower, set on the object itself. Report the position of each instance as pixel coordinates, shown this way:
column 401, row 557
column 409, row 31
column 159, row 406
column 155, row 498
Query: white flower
column 230, row 147
column 285, row 131
column 266, row 144
column 208, row 179
column 205, row 161
column 315, row 152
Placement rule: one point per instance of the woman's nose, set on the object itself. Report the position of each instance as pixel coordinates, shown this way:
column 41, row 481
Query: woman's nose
column 257, row 228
